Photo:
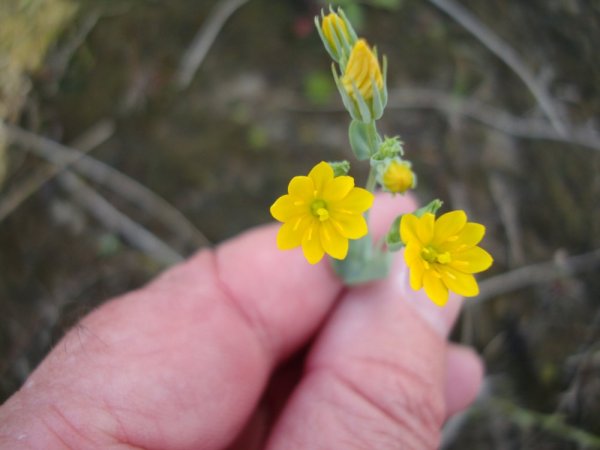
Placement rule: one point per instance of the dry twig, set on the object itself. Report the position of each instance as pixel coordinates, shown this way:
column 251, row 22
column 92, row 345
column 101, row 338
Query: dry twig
column 61, row 58
column 118, row 222
column 13, row 199
column 417, row 98
column 118, row 182
column 537, row 274
column 204, row 39
column 509, row 56
column 550, row 423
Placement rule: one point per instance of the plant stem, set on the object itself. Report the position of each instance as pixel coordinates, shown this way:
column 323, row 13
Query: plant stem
column 373, row 137
column 371, row 181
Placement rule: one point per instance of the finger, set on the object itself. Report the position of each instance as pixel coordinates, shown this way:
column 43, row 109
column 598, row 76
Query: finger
column 464, row 373
column 377, row 373
column 284, row 298
column 440, row 319
column 182, row 362
column 191, row 352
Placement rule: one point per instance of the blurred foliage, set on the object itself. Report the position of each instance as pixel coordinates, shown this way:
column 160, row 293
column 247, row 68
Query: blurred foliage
column 319, row 87
column 27, row 29
column 355, row 9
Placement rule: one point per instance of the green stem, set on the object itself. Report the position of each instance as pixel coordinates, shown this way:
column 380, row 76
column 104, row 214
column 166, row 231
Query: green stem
column 371, row 181
column 551, row 423
column 373, row 137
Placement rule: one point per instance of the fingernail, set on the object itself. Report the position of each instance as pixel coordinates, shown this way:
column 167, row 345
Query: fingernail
column 440, row 318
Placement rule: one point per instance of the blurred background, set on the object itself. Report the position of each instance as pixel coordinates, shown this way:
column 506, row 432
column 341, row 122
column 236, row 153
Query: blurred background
column 137, row 131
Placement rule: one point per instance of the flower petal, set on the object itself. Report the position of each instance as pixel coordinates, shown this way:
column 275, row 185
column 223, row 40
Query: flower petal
column 416, row 276
column 357, row 201
column 448, row 225
column 425, row 228
column 415, row 264
column 336, row 189
column 311, row 243
column 408, row 228
column 351, row 226
column 459, row 282
column 435, row 288
column 471, row 260
column 468, row 237
column 302, row 187
column 334, row 244
column 286, row 207
column 471, row 234
column 290, row 234
column 320, row 175
column 412, row 254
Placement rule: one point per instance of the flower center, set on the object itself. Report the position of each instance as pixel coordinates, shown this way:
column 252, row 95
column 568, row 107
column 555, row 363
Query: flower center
column 319, row 209
column 431, row 255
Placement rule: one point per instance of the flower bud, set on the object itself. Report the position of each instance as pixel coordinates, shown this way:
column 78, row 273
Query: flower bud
column 362, row 84
column 398, row 177
column 362, row 72
column 337, row 35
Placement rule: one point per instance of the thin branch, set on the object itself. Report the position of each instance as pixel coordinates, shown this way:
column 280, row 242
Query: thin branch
column 118, row 182
column 61, row 58
column 117, row 222
column 417, row 98
column 13, row 199
column 537, row 274
column 550, row 423
column 203, row 41
column 506, row 54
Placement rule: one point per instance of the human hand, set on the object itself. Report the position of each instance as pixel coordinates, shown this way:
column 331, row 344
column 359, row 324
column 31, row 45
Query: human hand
column 249, row 347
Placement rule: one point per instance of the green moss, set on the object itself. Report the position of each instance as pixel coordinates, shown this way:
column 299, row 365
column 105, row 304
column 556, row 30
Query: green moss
column 27, row 29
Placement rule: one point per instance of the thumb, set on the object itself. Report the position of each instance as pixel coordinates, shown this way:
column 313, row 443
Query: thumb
column 375, row 377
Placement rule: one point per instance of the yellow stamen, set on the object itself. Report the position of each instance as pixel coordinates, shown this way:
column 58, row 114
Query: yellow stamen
column 323, row 214
column 319, row 210
column 431, row 255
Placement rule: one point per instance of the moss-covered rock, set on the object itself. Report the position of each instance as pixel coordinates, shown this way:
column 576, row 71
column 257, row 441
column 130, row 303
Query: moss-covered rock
column 27, row 29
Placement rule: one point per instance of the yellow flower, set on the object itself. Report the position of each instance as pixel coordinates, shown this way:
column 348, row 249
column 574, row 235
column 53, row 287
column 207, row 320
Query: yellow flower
column 334, row 30
column 361, row 71
column 398, row 177
column 321, row 212
column 443, row 254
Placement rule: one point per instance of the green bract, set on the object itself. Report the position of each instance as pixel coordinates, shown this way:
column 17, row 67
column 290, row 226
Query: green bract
column 337, row 34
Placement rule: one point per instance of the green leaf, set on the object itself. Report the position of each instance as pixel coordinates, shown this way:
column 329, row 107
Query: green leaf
column 359, row 139
column 432, row 207
column 392, row 238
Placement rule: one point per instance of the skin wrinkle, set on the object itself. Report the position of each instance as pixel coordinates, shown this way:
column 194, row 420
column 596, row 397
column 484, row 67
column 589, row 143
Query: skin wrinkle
column 82, row 348
column 234, row 293
column 255, row 321
column 55, row 421
column 55, row 434
column 60, row 435
column 123, row 436
column 432, row 417
column 426, row 420
column 119, row 434
column 220, row 294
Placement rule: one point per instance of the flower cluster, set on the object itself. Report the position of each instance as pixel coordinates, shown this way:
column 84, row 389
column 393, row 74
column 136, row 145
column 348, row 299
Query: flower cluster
column 325, row 213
